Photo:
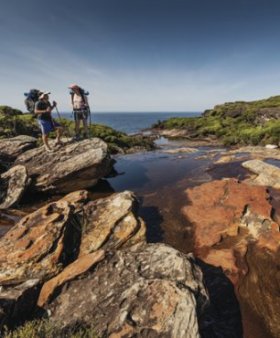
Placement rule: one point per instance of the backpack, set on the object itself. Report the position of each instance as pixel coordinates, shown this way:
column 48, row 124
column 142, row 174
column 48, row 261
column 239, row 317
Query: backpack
column 31, row 98
column 83, row 94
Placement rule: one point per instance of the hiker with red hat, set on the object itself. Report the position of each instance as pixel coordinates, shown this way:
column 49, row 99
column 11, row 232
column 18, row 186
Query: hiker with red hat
column 80, row 108
column 43, row 110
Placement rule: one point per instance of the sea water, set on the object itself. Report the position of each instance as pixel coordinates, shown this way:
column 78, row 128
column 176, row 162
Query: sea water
column 132, row 122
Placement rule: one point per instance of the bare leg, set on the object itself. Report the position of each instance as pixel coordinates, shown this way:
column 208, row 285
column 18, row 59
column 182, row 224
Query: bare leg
column 45, row 138
column 59, row 131
column 85, row 124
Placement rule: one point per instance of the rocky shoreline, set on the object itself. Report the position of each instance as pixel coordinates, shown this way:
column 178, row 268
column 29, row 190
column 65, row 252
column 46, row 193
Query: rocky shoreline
column 76, row 264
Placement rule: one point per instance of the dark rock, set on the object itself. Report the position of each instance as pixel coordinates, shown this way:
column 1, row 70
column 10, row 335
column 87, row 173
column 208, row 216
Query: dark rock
column 13, row 184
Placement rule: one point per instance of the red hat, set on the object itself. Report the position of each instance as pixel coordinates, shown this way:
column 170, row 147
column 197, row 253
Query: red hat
column 73, row 85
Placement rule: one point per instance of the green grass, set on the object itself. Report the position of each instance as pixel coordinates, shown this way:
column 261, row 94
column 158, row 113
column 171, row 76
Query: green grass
column 45, row 329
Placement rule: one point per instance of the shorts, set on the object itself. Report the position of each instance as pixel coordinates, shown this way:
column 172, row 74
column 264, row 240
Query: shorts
column 48, row 126
column 80, row 114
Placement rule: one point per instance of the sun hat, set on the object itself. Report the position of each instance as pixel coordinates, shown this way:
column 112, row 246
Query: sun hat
column 43, row 94
column 73, row 85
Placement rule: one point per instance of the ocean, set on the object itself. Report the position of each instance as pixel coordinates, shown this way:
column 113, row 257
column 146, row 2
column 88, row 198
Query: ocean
column 131, row 123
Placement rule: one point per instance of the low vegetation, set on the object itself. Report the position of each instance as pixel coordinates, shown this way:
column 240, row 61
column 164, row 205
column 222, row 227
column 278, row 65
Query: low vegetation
column 253, row 123
column 13, row 123
column 45, row 329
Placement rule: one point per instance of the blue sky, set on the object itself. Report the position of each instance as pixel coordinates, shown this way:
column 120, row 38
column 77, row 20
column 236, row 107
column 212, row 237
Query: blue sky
column 141, row 55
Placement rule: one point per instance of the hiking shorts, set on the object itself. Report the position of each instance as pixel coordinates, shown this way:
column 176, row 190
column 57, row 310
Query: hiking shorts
column 48, row 126
column 80, row 114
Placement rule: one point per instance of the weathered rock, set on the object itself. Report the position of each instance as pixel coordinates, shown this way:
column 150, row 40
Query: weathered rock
column 17, row 303
column 72, row 167
column 39, row 245
column 144, row 291
column 13, row 184
column 248, row 153
column 268, row 175
column 11, row 148
column 72, row 271
column 233, row 229
column 186, row 150
column 111, row 223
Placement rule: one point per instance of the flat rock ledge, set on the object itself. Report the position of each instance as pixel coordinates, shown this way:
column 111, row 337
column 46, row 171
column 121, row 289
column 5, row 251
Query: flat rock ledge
column 71, row 167
column 237, row 232
column 266, row 174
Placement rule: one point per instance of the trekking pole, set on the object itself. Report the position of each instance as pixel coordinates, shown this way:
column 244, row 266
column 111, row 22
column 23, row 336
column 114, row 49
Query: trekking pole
column 89, row 120
column 66, row 127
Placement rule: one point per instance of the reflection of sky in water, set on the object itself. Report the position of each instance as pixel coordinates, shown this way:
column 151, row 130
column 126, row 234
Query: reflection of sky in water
column 153, row 170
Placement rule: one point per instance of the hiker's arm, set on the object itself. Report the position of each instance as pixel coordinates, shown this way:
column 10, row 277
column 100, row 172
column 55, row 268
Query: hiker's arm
column 38, row 111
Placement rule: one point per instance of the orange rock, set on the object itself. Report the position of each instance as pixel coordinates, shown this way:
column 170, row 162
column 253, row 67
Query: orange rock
column 73, row 270
column 233, row 229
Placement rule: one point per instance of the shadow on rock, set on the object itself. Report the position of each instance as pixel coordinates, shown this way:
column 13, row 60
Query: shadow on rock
column 223, row 317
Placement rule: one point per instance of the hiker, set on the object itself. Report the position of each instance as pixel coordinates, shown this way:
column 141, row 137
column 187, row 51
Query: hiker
column 43, row 110
column 81, row 110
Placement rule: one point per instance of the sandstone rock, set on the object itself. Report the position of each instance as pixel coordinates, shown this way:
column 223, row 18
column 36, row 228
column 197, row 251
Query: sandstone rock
column 11, row 148
column 268, row 175
column 180, row 150
column 111, row 223
column 17, row 303
column 248, row 153
column 73, row 270
column 13, row 184
column 72, row 167
column 39, row 245
column 233, row 229
column 144, row 291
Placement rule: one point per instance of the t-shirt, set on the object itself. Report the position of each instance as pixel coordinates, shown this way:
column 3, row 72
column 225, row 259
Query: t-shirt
column 42, row 105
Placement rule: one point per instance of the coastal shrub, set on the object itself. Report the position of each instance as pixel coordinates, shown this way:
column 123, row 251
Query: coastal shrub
column 234, row 122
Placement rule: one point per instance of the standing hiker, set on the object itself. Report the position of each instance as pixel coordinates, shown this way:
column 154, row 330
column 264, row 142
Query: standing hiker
column 80, row 108
column 43, row 110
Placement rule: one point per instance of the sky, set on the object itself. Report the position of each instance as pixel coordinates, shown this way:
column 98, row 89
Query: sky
column 140, row 55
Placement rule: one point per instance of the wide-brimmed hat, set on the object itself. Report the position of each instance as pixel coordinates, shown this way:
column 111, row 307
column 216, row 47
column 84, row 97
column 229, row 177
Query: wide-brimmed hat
column 43, row 94
column 73, row 85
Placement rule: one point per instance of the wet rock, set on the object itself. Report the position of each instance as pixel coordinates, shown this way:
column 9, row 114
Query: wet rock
column 71, row 167
column 268, row 175
column 13, row 184
column 233, row 229
column 111, row 223
column 145, row 291
column 180, row 150
column 11, row 148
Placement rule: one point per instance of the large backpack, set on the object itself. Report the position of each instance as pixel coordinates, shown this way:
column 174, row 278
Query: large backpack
column 83, row 94
column 31, row 98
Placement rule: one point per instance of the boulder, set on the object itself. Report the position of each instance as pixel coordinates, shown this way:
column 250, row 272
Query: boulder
column 267, row 174
column 110, row 223
column 13, row 184
column 72, row 167
column 34, row 250
column 144, row 291
column 233, row 229
column 11, row 148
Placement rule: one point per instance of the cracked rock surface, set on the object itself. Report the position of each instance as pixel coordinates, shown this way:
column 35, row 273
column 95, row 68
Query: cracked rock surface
column 144, row 291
